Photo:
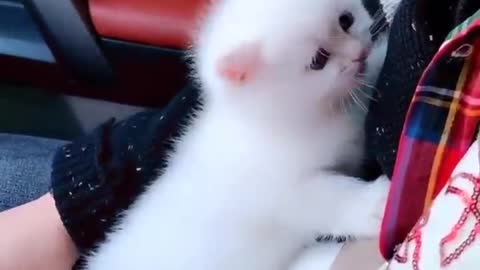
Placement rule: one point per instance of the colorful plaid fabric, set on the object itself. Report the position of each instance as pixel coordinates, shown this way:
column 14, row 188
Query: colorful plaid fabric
column 439, row 128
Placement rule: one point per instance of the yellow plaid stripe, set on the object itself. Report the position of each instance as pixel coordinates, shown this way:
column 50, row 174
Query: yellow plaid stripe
column 454, row 109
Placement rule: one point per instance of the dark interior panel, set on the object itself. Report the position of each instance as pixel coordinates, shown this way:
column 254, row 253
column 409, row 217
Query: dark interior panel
column 146, row 76
column 20, row 35
column 143, row 75
column 70, row 35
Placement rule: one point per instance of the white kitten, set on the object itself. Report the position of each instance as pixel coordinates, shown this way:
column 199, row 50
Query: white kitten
column 250, row 182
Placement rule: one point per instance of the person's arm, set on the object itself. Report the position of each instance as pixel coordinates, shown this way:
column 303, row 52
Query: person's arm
column 93, row 180
column 33, row 237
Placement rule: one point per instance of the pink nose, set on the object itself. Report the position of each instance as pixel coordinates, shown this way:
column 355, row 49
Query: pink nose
column 363, row 56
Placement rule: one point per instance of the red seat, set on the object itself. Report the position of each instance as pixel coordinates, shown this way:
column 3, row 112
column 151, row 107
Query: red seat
column 164, row 23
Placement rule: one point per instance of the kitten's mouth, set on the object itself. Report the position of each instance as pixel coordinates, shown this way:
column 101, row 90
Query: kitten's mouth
column 362, row 68
column 319, row 61
column 362, row 57
column 361, row 60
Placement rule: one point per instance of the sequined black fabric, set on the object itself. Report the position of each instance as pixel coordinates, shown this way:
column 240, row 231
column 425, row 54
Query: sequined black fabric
column 98, row 177
column 417, row 31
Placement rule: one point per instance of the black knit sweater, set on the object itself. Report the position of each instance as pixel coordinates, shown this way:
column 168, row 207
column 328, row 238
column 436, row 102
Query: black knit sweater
column 97, row 177
column 418, row 29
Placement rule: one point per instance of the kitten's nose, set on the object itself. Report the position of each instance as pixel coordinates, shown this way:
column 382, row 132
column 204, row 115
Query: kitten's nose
column 346, row 20
column 362, row 56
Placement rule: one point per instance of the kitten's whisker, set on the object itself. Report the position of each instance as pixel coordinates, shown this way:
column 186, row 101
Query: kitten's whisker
column 352, row 98
column 377, row 16
column 383, row 17
column 366, row 95
column 339, row 105
column 358, row 101
column 373, row 88
column 378, row 28
column 379, row 25
column 363, row 83
column 361, row 75
column 346, row 104
column 378, row 19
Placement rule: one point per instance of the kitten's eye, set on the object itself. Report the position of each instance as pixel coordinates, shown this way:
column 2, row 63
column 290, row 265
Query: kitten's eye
column 346, row 20
column 320, row 59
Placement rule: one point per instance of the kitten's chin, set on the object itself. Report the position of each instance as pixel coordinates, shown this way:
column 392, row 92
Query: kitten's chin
column 342, row 94
column 362, row 68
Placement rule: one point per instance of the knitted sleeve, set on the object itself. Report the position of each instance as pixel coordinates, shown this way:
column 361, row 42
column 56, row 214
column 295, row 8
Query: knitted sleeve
column 98, row 176
column 417, row 31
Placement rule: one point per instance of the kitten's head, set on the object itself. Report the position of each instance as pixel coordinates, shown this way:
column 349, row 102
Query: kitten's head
column 292, row 52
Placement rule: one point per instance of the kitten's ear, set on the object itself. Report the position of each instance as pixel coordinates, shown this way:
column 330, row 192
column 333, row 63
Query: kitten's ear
column 240, row 64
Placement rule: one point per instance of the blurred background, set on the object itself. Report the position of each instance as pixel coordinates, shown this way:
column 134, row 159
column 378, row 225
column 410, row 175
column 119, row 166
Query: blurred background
column 68, row 65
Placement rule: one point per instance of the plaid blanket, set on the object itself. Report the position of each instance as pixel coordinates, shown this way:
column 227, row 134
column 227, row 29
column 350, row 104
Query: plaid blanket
column 440, row 127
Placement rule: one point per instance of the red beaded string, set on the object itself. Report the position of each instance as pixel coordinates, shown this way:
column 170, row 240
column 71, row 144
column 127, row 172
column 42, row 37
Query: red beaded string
column 414, row 236
column 472, row 209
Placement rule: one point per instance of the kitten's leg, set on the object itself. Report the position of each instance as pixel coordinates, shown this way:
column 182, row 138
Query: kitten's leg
column 340, row 205
column 318, row 257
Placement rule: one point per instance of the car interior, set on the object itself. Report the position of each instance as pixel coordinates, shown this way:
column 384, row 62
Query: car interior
column 67, row 66
column 76, row 63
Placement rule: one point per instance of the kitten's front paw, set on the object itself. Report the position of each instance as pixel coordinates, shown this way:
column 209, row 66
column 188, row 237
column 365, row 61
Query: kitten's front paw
column 380, row 190
column 376, row 199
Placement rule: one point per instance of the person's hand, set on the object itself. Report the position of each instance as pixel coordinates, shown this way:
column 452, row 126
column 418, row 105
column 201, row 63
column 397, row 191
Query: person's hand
column 33, row 238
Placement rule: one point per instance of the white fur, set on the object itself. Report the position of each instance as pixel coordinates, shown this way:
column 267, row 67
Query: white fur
column 318, row 257
column 250, row 182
